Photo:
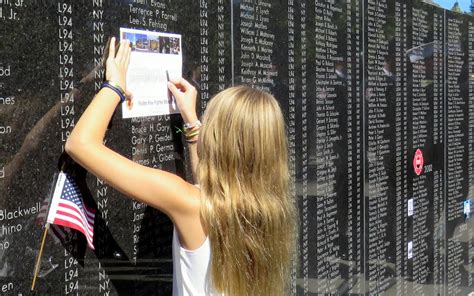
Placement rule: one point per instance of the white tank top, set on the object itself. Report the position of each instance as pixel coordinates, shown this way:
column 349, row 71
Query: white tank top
column 191, row 271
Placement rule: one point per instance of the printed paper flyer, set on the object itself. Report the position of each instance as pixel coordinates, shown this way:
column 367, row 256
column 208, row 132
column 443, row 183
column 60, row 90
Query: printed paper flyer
column 155, row 58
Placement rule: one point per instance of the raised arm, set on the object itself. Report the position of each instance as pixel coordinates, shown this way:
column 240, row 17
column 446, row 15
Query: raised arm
column 185, row 95
column 160, row 189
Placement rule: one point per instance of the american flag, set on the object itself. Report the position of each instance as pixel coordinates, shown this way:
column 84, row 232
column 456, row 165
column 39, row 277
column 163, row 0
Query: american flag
column 58, row 233
column 68, row 209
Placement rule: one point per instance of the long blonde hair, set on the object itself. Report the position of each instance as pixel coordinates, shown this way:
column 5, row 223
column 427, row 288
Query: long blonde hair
column 246, row 207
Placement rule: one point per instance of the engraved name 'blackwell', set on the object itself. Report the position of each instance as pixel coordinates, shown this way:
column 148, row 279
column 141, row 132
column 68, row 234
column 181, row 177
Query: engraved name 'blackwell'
column 19, row 213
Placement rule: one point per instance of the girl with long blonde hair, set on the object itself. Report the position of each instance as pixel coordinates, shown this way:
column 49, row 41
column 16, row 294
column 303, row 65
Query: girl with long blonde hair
column 235, row 231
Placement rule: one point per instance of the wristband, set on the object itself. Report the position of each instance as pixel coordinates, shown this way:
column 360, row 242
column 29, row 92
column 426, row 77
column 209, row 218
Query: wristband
column 117, row 89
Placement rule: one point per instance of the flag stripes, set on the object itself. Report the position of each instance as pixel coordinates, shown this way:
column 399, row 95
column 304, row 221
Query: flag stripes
column 68, row 215
column 68, row 208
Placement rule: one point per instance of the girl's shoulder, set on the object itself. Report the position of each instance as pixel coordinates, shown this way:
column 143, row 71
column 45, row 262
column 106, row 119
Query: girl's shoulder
column 188, row 225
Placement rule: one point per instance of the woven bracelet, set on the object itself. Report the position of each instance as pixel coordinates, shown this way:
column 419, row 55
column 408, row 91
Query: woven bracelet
column 192, row 134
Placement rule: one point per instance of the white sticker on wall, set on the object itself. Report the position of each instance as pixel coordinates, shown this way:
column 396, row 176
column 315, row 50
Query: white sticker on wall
column 410, row 249
column 410, row 207
column 467, row 207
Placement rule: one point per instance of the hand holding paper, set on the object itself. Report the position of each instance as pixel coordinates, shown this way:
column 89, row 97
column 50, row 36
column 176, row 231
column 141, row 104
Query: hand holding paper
column 185, row 95
column 117, row 65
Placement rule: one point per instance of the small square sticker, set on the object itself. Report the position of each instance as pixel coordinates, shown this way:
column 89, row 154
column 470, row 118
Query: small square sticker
column 410, row 207
column 410, row 250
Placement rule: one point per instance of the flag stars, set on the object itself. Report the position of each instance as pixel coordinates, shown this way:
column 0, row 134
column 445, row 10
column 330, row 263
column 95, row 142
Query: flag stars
column 72, row 193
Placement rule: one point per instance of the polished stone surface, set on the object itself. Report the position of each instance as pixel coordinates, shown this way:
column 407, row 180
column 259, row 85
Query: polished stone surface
column 368, row 89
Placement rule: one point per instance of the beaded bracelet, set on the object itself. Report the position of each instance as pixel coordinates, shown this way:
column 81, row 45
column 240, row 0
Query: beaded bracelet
column 188, row 126
column 117, row 89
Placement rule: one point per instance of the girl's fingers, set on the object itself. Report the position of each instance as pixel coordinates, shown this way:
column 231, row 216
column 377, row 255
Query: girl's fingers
column 112, row 48
column 129, row 95
column 174, row 90
column 179, row 83
column 176, row 83
column 127, row 59
column 120, row 52
column 182, row 84
column 186, row 84
column 126, row 53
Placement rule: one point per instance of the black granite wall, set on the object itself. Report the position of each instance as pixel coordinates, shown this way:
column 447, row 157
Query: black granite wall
column 368, row 88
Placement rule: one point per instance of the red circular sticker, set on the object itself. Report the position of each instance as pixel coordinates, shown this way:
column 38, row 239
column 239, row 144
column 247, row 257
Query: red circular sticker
column 418, row 162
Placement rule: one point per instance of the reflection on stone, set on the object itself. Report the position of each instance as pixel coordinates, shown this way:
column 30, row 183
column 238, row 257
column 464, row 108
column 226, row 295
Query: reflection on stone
column 363, row 85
